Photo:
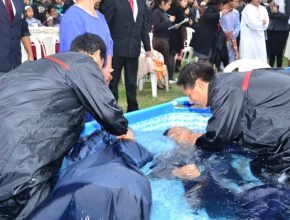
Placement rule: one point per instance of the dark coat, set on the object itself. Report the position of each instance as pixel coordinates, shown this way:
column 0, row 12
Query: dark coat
column 43, row 109
column 126, row 33
column 257, row 120
column 204, row 36
column 279, row 21
column 10, row 36
column 177, row 36
column 104, row 182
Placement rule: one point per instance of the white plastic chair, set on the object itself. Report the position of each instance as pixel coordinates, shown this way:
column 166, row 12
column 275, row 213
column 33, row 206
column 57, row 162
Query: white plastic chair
column 24, row 55
column 37, row 45
column 245, row 65
column 188, row 50
column 153, row 77
column 49, row 43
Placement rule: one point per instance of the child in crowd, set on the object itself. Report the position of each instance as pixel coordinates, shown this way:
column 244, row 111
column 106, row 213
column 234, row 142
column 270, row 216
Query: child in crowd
column 59, row 6
column 39, row 9
column 161, row 22
column 31, row 21
column 53, row 18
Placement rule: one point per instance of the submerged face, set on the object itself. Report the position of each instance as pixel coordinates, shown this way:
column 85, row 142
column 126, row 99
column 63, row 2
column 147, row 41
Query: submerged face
column 199, row 93
column 181, row 135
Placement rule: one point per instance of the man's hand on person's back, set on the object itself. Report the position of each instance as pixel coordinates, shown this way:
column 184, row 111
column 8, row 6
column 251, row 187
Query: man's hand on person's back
column 128, row 136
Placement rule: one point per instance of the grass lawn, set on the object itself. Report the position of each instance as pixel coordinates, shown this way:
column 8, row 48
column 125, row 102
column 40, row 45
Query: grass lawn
column 145, row 98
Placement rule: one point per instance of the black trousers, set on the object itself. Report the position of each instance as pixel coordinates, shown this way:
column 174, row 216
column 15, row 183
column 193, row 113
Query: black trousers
column 131, row 67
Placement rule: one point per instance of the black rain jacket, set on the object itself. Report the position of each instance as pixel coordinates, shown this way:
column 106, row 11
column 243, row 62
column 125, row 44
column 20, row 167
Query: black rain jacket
column 102, row 181
column 42, row 112
column 257, row 120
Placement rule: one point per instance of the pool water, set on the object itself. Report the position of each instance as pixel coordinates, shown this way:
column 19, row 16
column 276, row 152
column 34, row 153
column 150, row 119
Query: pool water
column 225, row 179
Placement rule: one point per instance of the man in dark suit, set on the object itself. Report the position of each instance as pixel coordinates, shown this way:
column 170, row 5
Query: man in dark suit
column 127, row 21
column 13, row 28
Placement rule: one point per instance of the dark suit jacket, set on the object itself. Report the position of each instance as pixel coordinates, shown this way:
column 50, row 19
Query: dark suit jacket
column 204, row 36
column 10, row 36
column 126, row 33
column 279, row 21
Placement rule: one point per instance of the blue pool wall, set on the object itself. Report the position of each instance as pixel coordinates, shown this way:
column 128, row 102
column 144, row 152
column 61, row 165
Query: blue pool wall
column 177, row 105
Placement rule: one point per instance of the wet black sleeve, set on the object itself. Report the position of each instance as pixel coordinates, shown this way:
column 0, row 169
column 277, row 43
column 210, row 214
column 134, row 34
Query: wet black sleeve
column 89, row 85
column 224, row 125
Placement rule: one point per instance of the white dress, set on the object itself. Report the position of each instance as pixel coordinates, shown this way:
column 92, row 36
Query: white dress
column 252, row 44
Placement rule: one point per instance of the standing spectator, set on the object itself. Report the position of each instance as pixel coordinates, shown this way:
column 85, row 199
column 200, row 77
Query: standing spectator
column 161, row 22
column 31, row 21
column 83, row 18
column 13, row 29
column 205, row 36
column 277, row 32
column 177, row 36
column 53, row 18
column 255, row 21
column 40, row 10
column 230, row 24
column 194, row 12
column 127, row 21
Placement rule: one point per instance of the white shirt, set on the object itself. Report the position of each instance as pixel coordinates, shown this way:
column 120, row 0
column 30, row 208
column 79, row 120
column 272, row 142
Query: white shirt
column 13, row 7
column 135, row 9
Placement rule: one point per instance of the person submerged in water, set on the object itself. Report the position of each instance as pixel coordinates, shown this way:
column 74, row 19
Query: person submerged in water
column 185, row 138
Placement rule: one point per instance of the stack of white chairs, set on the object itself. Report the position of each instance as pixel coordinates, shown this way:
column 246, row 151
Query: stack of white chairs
column 49, row 43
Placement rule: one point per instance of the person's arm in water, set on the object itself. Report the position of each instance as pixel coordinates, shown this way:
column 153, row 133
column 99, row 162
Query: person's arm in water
column 184, row 137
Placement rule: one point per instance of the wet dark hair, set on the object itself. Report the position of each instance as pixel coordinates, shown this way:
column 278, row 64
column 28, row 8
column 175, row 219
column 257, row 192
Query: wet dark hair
column 191, row 72
column 89, row 43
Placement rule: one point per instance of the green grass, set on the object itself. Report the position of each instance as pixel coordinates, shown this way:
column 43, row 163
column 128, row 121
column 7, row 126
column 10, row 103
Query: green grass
column 145, row 98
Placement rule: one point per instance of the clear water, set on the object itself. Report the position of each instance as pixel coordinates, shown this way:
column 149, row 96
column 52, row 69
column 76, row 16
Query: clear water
column 223, row 185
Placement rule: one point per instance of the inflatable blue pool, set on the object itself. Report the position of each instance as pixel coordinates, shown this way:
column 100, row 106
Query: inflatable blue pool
column 229, row 189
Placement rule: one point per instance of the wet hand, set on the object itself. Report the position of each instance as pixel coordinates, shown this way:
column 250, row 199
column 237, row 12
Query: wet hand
column 128, row 136
column 188, row 172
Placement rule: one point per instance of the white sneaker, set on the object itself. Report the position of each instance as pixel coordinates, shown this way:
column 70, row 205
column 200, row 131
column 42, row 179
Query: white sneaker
column 172, row 81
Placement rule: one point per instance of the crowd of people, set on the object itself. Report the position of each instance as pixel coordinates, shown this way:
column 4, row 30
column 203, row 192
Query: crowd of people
column 44, row 103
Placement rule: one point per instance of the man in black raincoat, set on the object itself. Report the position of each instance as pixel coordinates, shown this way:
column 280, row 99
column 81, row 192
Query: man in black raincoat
column 42, row 112
column 250, row 109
